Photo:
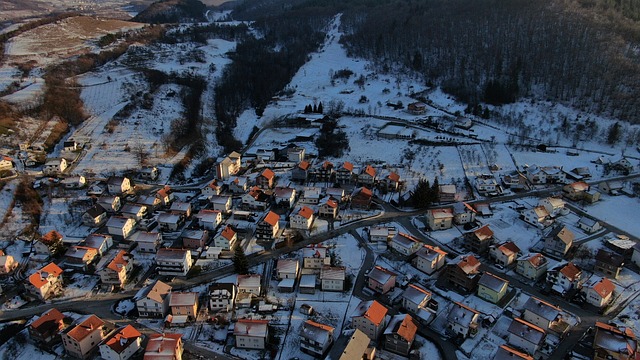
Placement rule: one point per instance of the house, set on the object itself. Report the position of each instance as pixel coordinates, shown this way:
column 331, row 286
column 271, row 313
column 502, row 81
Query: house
column 464, row 272
column 181, row 208
column 212, row 189
column 537, row 216
column 447, row 193
column 367, row 176
column 575, row 191
column 370, row 317
column 315, row 338
column 228, row 166
column 504, row 254
column 362, row 199
column 164, row 346
column 526, row 336
column 554, row 206
column 479, row 240
column 194, row 239
column 148, row 242
column 328, row 209
column 183, row 305
column 381, row 235
column 251, row 334
column 463, row 213
column 82, row 339
column 337, row 194
column 439, row 219
column 226, row 239
column 462, row 321
column 7, row 264
column 123, row 345
column 303, row 219
column 74, row 182
column 222, row 296
column 358, row 348
column 285, row 197
column 256, row 199
column 564, row 277
column 332, row 278
column 268, row 227
column 307, row 284
column 417, row 108
column 598, row 291
column 209, row 219
column 589, row 225
column 54, row 166
column 250, row 284
column 515, row 181
column 120, row 226
column 173, row 262
column 344, row 174
column 609, row 263
column 611, row 342
column 80, row 257
column 545, row 175
column 6, row 163
column 287, row 268
column 118, row 185
column 134, row 211
column 611, row 187
column 508, row 353
column 117, row 270
column 381, row 280
column 266, row 179
column 149, row 173
column 112, row 204
column 542, row 314
column 429, row 259
column 165, row 195
column 311, row 195
column 95, row 216
column 45, row 330
column 415, row 298
column 152, row 301
column 483, row 209
column 151, row 202
column 239, row 185
column 558, row 242
column 492, row 288
column 314, row 257
column 220, row 203
column 295, row 154
column 300, row 173
column 70, row 145
column 49, row 244
column 46, row 282
column 170, row 222
column 101, row 242
column 399, row 334
column 405, row 244
column 532, row 266
column 390, row 182
column 323, row 173
column 488, row 185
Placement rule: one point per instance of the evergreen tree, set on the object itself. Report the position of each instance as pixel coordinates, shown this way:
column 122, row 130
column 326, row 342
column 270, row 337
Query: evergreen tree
column 421, row 194
column 613, row 135
column 434, row 194
column 315, row 108
column 319, row 108
column 240, row 262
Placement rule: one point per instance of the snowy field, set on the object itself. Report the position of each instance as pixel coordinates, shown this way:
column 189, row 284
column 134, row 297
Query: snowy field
column 608, row 209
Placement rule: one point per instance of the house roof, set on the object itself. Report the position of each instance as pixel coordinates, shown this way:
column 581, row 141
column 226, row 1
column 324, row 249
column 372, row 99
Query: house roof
column 314, row 251
column 483, row 233
column 48, row 321
column 219, row 200
column 416, row 294
column 447, row 189
column 535, row 259
column 221, row 288
column 356, row 347
column 461, row 314
column 555, row 202
column 183, row 299
column 347, row 166
column 168, row 218
column 587, row 221
column 540, row 211
column 228, row 233
column 51, row 237
column 83, row 329
column 39, row 278
column 382, row 275
column 509, row 248
column 268, row 174
column 96, row 241
column 493, row 282
column 119, row 261
column 404, row 326
column 123, row 338
column 372, row 311
column 469, row 264
column 144, row 236
column 369, row 170
column 132, row 208
column 251, row 280
column 332, row 272
column 287, row 265
column 405, row 240
column 308, row 281
column 208, row 215
column 579, row 186
column 507, row 353
column 171, row 254
column 115, row 180
column 284, row 192
column 253, row 328
column 214, row 185
column 526, row 331
column 180, row 206
column 331, row 203
column 429, row 252
column 156, row 292
column 563, row 234
column 162, row 346
column 610, row 258
column 571, row 271
column 194, row 234
column 604, row 287
column 317, row 332
column 617, row 340
column 271, row 218
column 542, row 308
column 306, row 212
column 95, row 211
column 304, row 165
column 445, row 213
column 82, row 253
column 365, row 192
column 118, row 221
column 462, row 207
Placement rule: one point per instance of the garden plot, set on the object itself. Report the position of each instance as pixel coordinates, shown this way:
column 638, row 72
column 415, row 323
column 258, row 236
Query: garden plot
column 619, row 211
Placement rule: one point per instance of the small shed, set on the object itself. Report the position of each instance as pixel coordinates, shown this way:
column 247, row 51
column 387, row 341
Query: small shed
column 308, row 284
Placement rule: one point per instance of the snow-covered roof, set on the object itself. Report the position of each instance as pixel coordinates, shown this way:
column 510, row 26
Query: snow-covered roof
column 492, row 282
column 617, row 340
column 308, row 281
column 332, row 273
column 526, row 331
column 287, row 266
column 542, row 308
column 183, row 298
column 252, row 328
column 429, row 252
column 461, row 314
column 382, row 275
column 249, row 281
column 405, row 240
column 416, row 294
column 319, row 333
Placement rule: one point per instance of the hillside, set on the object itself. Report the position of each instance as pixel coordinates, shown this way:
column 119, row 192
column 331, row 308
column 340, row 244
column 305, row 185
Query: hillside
column 172, row 11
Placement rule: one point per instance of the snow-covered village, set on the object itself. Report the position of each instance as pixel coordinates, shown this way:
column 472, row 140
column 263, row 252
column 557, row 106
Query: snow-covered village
column 356, row 213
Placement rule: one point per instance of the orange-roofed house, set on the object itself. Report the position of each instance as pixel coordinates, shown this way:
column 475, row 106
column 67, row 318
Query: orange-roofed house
column 117, row 271
column 45, row 330
column 82, row 339
column 598, row 291
column 50, row 244
column 213, row 188
column 266, row 179
column 46, row 282
column 367, row 176
column 344, row 174
column 251, row 334
column 464, row 272
column 268, row 227
column 226, row 239
column 6, row 163
column 440, row 219
column 316, row 338
column 611, row 342
column 575, row 191
column 303, row 219
column 152, row 301
column 300, row 173
column 123, row 345
column 504, row 254
column 564, row 277
column 399, row 334
column 362, row 199
column 328, row 209
column 391, row 182
column 370, row 317
column 164, row 347
column 256, row 198
column 479, row 240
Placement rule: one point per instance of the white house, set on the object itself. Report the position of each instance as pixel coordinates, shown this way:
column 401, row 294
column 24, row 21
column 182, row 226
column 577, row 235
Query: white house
column 250, row 284
column 371, row 318
column 287, row 268
column 332, row 278
column 123, row 345
column 462, row 320
column 315, row 338
column 526, row 336
column 226, row 239
column 429, row 259
column 209, row 219
column 152, row 301
column 598, row 291
column 134, row 211
column 211, row 189
column 54, row 166
column 504, row 254
column 589, row 225
column 221, row 202
column 222, row 296
column 315, row 257
column 285, row 196
column 173, row 262
column 148, row 242
column 405, row 244
column 251, row 334
column 554, row 206
column 120, row 226
column 303, row 219
column 118, row 185
column 95, row 216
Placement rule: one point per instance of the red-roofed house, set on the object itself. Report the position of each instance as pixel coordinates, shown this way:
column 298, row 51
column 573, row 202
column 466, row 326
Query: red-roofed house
column 117, row 270
column 164, row 347
column 391, row 182
column 362, row 199
column 504, row 254
column 367, row 176
column 300, row 173
column 465, row 272
column 46, row 282
column 370, row 317
column 266, row 179
column 344, row 175
column 303, row 219
column 329, row 209
column 564, row 277
column 251, row 334
column 532, row 266
column 123, row 345
column 213, row 188
column 610, row 342
column 49, row 244
column 226, row 239
column 45, row 330
column 268, row 227
column 507, row 353
column 599, row 291
column 400, row 334
column 478, row 241
column 82, row 339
